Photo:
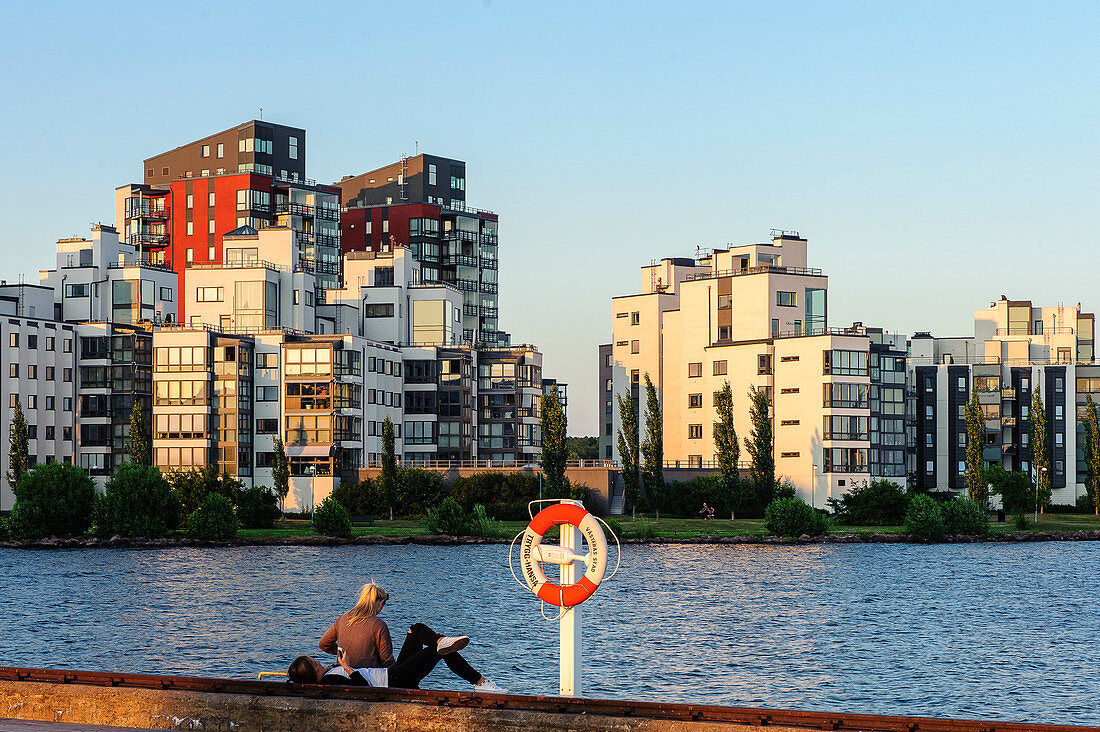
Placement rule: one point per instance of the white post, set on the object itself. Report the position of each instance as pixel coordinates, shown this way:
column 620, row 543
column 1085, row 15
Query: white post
column 569, row 629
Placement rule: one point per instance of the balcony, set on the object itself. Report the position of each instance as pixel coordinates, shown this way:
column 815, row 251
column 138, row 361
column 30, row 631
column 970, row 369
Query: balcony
column 459, row 235
column 762, row 269
column 147, row 238
column 462, row 259
column 1008, row 422
column 1008, row 394
column 295, row 209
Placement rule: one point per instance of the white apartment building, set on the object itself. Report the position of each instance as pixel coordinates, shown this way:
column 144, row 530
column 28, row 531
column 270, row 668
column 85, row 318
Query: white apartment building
column 756, row 316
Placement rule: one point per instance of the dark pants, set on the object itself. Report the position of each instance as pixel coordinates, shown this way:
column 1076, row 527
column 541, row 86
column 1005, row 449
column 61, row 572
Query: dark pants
column 418, row 657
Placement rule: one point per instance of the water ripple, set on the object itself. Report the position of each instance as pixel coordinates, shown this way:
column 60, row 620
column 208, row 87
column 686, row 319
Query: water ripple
column 1005, row 632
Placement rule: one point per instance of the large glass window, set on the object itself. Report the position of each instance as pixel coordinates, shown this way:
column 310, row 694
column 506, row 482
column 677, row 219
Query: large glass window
column 845, row 363
column 815, row 311
column 845, row 396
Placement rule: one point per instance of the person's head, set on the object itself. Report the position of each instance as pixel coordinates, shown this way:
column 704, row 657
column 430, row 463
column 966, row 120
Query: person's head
column 371, row 600
column 306, row 670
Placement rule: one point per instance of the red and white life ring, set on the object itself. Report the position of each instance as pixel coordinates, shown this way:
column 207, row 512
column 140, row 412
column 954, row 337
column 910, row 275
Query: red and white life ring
column 532, row 553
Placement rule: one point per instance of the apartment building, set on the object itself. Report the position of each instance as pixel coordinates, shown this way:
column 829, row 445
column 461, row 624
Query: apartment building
column 1016, row 348
column 250, row 175
column 756, row 316
column 40, row 358
column 420, row 202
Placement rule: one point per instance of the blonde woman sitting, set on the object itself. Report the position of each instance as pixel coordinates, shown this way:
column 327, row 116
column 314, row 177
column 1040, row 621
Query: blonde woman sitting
column 365, row 641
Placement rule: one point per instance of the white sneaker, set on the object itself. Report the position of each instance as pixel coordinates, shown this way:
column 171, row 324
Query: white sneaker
column 488, row 687
column 450, row 644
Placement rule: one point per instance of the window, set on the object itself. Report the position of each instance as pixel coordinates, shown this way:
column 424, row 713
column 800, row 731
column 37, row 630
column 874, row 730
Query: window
column 13, row 399
column 789, row 422
column 635, row 346
column 32, row 342
column 49, row 343
column 32, row 401
column 845, row 396
column 785, row 299
column 210, row 256
column 267, row 360
column 928, row 439
column 962, row 439
column 695, row 431
column 190, row 202
column 1057, row 383
column 928, row 413
column 1057, row 411
column 210, row 199
column 190, row 226
column 208, row 294
column 788, row 454
column 1058, row 439
column 725, row 333
column 221, row 150
column 190, row 252
column 210, row 228
column 67, row 377
column 764, row 363
column 775, row 327
column 845, row 459
column 962, row 467
column 787, row 359
column 725, row 302
column 789, row 390
column 267, row 426
column 845, row 363
column 695, row 401
column 32, row 371
column 621, row 315
column 267, row 393
column 431, row 174
column 962, row 383
column 13, row 370
column 206, row 151
column 635, row 318
column 166, row 294
column 844, row 427
column 720, row 368
column 13, row 340
column 695, row 370
column 293, row 148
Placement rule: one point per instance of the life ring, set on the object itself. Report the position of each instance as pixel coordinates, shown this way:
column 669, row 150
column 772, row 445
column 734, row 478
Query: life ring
column 532, row 553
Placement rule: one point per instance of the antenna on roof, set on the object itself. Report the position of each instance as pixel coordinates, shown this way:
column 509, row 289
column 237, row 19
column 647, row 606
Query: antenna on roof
column 261, row 113
column 416, row 146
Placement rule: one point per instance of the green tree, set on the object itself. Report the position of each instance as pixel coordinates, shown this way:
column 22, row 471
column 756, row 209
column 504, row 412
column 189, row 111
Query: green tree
column 280, row 473
column 52, row 499
column 727, row 450
column 652, row 448
column 628, row 449
column 140, row 453
column 194, row 485
column 759, row 446
column 1040, row 458
column 137, row 502
column 553, row 441
column 975, row 439
column 1092, row 453
column 389, row 464
column 1015, row 489
column 17, row 447
column 583, row 448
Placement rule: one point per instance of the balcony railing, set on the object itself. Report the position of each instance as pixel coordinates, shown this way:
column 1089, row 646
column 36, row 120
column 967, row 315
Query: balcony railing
column 140, row 263
column 462, row 259
column 1008, row 393
column 297, row 209
column 460, row 235
column 147, row 238
column 1025, row 330
column 239, row 264
column 761, row 269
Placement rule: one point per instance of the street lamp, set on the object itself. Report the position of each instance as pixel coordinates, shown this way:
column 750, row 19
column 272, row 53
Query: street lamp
column 813, row 488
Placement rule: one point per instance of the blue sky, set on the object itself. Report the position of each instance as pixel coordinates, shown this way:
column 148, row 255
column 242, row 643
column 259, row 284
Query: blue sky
column 936, row 155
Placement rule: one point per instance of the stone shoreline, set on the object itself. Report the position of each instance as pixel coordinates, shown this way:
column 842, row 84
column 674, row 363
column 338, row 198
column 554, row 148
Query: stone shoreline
column 119, row 542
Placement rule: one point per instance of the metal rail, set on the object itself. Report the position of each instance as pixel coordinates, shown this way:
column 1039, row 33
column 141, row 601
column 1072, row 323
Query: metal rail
column 552, row 705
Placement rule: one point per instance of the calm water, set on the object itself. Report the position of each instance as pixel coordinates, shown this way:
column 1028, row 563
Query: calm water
column 1005, row 632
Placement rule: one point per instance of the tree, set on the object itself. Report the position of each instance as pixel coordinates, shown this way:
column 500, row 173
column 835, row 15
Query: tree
column 628, row 449
column 1015, row 489
column 1092, row 453
column 1040, row 459
column 553, row 442
column 280, row 473
column 17, row 447
column 727, row 450
column 975, row 438
column 583, row 448
column 652, row 449
column 389, row 464
column 137, row 502
column 52, row 499
column 140, row 453
column 759, row 446
column 194, row 485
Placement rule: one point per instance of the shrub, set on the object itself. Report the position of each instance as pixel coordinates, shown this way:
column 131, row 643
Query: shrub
column 615, row 526
column 685, row 498
column 1021, row 521
column 52, row 499
column 5, row 535
column 448, row 518
column 878, row 503
column 213, row 520
column 964, row 516
column 1084, row 504
column 1078, row 507
column 194, row 485
column 137, row 502
column 364, row 498
column 1015, row 489
column 332, row 519
column 257, row 508
column 923, row 519
column 793, row 517
column 417, row 491
column 479, row 523
column 644, row 528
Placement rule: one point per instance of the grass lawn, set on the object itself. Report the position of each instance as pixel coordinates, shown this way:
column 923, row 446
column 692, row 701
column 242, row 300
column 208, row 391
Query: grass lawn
column 672, row 528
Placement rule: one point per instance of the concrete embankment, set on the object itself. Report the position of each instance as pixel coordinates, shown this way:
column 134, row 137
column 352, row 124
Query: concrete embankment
column 223, row 705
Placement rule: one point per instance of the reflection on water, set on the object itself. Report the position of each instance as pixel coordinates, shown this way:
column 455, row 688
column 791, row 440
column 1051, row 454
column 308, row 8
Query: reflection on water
column 979, row 631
